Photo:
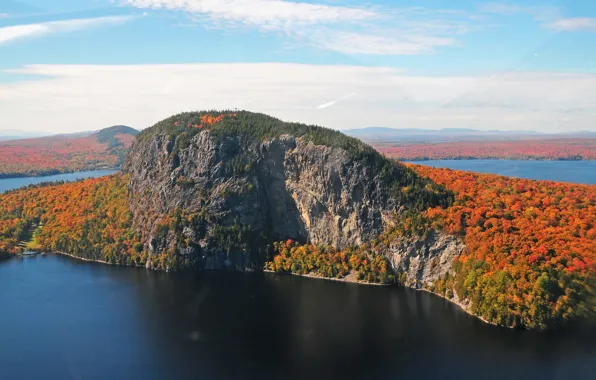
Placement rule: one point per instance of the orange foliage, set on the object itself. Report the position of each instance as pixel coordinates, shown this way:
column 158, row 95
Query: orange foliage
column 530, row 249
column 307, row 259
column 207, row 120
column 89, row 218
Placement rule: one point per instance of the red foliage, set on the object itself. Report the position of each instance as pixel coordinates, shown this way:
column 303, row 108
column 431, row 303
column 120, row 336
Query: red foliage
column 125, row 139
column 552, row 149
column 55, row 154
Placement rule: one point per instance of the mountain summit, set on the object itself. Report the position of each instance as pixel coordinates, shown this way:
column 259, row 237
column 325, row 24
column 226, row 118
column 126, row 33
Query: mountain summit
column 218, row 188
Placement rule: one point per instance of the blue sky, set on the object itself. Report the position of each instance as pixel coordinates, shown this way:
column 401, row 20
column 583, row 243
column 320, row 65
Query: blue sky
column 71, row 65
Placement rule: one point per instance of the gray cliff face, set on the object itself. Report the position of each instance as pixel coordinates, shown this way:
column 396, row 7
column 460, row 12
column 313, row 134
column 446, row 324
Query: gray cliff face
column 424, row 260
column 328, row 197
column 282, row 188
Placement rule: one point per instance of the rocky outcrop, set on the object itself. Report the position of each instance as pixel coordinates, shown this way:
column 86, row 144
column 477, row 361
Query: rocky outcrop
column 216, row 189
column 327, row 196
column 282, row 188
column 423, row 261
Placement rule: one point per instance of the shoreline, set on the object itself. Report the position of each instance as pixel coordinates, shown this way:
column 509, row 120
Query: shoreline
column 461, row 306
column 456, row 302
column 346, row 280
column 51, row 174
column 96, row 261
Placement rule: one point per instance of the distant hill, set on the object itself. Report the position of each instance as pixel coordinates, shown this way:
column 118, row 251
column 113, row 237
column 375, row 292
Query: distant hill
column 568, row 148
column 466, row 144
column 103, row 149
column 389, row 135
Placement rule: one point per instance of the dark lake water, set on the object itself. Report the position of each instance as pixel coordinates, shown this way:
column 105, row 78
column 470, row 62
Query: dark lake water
column 563, row 171
column 15, row 183
column 67, row 319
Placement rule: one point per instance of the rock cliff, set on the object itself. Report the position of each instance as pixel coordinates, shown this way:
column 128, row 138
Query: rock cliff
column 214, row 191
column 423, row 261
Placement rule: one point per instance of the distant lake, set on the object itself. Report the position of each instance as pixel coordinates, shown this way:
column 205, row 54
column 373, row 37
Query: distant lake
column 66, row 319
column 15, row 183
column 562, row 171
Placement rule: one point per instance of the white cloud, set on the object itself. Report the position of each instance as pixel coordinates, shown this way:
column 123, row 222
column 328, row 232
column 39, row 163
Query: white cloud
column 361, row 43
column 80, row 97
column 14, row 32
column 573, row 24
column 389, row 31
column 265, row 13
column 550, row 17
column 538, row 12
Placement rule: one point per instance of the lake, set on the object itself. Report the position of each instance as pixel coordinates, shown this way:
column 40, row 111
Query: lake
column 67, row 319
column 563, row 171
column 15, row 183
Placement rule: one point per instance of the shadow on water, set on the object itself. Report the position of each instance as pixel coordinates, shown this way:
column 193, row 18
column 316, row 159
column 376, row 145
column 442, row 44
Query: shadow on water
column 83, row 320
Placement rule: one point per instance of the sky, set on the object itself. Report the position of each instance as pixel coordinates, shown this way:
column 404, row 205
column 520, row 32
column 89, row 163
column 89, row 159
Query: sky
column 76, row 65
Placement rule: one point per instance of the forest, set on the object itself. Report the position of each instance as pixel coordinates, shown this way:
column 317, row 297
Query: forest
column 527, row 149
column 88, row 219
column 530, row 255
column 308, row 259
column 65, row 153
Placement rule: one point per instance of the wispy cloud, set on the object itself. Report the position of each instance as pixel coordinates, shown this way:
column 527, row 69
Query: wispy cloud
column 573, row 24
column 538, row 12
column 398, row 43
column 372, row 30
column 263, row 13
column 15, row 32
column 551, row 17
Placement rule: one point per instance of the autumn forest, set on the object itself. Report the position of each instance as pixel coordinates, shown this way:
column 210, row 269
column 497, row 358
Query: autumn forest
column 524, row 149
column 530, row 258
column 530, row 246
column 65, row 153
